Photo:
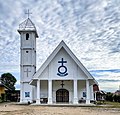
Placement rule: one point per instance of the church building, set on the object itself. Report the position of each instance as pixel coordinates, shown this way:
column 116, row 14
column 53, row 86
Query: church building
column 61, row 79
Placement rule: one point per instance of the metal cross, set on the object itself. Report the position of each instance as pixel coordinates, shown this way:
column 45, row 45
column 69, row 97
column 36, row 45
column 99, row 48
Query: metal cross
column 27, row 71
column 28, row 13
column 62, row 84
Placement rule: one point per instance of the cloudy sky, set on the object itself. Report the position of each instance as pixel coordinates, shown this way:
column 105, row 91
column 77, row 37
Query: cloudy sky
column 91, row 29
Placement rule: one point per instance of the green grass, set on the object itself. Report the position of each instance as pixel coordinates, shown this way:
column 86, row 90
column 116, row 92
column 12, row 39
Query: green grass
column 109, row 104
column 0, row 100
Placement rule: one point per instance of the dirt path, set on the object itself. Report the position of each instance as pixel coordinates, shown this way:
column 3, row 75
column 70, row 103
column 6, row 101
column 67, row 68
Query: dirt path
column 11, row 109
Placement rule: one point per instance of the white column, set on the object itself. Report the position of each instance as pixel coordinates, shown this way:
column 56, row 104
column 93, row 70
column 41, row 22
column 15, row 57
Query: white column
column 87, row 92
column 38, row 92
column 75, row 101
column 95, row 96
column 49, row 91
column 92, row 93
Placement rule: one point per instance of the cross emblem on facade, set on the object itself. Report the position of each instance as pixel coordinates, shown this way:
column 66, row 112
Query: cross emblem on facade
column 62, row 84
column 62, row 69
column 27, row 71
column 28, row 13
column 62, row 61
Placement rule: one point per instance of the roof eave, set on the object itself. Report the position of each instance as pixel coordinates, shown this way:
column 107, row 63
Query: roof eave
column 33, row 82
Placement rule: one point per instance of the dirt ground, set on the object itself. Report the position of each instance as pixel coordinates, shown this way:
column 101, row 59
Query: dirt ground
column 12, row 109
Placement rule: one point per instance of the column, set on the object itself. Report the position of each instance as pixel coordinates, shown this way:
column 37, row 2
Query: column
column 38, row 92
column 49, row 91
column 95, row 95
column 75, row 101
column 87, row 92
column 92, row 93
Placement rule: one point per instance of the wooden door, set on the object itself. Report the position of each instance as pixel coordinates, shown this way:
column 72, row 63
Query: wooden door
column 62, row 95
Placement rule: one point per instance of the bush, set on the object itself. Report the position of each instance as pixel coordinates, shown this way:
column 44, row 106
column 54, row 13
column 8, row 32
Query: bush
column 116, row 98
column 119, row 98
column 109, row 97
column 0, row 99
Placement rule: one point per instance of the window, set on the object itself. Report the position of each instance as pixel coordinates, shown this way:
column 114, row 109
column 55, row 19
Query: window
column 84, row 94
column 27, row 36
column 26, row 51
column 27, row 94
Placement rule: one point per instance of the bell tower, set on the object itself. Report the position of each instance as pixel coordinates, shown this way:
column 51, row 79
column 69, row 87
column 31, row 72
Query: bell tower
column 28, row 35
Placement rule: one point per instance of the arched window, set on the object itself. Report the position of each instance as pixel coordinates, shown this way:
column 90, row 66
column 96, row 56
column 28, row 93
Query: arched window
column 27, row 36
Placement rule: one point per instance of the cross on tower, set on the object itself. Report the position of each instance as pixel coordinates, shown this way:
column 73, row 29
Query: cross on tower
column 28, row 13
column 62, row 84
column 27, row 71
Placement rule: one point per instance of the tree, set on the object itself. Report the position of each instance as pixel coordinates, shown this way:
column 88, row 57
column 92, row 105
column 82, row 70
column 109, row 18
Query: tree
column 115, row 97
column 109, row 97
column 8, row 80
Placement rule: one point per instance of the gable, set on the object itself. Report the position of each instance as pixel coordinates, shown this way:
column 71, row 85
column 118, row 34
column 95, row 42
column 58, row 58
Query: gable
column 74, row 67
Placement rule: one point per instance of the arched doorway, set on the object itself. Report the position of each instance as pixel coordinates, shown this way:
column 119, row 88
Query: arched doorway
column 62, row 95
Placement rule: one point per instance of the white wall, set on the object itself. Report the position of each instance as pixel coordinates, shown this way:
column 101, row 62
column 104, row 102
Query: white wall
column 34, row 93
column 72, row 68
column 43, row 89
column 68, row 85
column 45, row 74
column 81, row 88
column 30, row 43
column 24, row 73
column 27, row 88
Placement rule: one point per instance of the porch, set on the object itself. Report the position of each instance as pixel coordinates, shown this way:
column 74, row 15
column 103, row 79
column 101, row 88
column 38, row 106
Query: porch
column 57, row 92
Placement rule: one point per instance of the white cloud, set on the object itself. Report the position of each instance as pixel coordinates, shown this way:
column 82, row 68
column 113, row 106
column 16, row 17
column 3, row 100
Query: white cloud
column 89, row 27
column 109, row 86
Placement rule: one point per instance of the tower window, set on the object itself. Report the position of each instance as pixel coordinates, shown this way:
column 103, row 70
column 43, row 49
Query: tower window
column 27, row 36
column 26, row 51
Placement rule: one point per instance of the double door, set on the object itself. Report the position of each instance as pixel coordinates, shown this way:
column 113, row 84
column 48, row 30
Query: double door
column 62, row 95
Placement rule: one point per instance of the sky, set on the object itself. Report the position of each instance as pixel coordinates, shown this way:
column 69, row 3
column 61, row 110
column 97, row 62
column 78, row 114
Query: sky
column 90, row 28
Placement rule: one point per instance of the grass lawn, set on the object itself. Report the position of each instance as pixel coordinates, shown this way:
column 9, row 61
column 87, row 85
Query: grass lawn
column 109, row 104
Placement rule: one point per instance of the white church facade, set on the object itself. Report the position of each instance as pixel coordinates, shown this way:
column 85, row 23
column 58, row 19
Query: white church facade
column 61, row 79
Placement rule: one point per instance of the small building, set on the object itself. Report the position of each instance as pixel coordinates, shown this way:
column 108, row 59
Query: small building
column 13, row 95
column 99, row 95
column 7, row 94
column 117, row 92
column 2, row 91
